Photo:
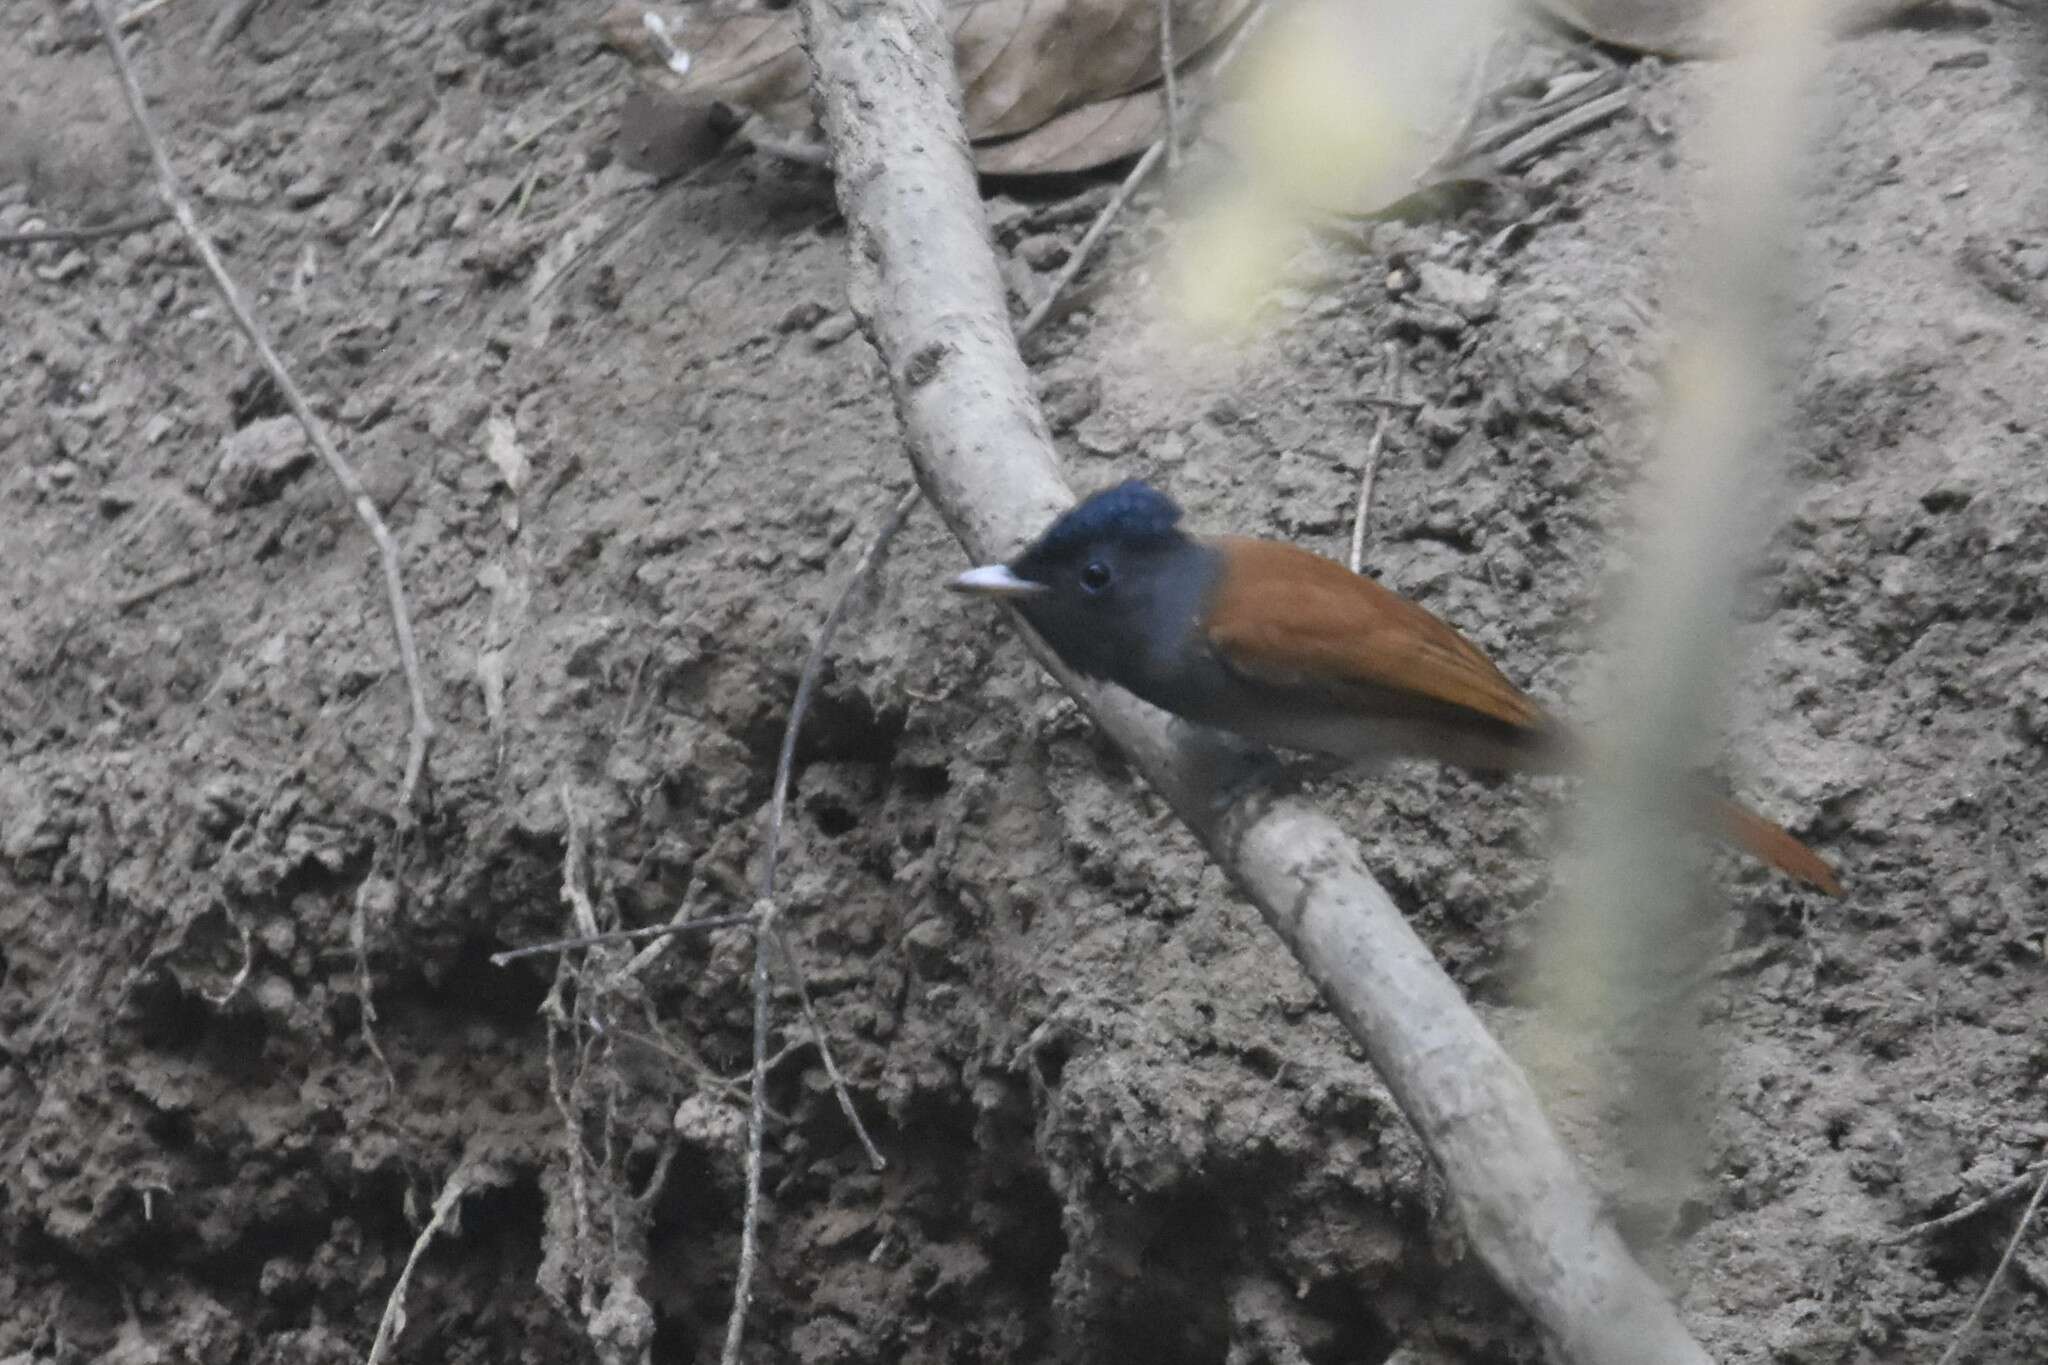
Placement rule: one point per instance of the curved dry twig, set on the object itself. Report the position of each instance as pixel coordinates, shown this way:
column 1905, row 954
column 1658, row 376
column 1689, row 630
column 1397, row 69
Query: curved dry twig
column 121, row 227
column 768, row 931
column 172, row 190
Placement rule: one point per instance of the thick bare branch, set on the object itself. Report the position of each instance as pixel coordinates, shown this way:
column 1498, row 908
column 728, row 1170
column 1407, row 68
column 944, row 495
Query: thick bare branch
column 925, row 286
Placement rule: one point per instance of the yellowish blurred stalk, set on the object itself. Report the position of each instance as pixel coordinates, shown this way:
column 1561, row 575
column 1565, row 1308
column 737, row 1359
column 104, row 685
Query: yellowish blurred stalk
column 1631, row 936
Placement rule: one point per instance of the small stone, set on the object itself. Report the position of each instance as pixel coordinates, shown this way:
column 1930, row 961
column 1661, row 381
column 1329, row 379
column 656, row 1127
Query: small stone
column 72, row 264
column 709, row 1124
column 117, row 498
column 1007, row 217
column 1104, row 439
column 1946, row 496
column 1434, row 319
column 338, row 216
column 929, row 944
column 802, row 316
column 1472, row 297
column 834, row 329
column 1069, row 402
column 274, row 995
column 225, row 186
column 258, row 461
column 1044, row 251
column 2030, row 704
column 309, row 189
column 1441, row 425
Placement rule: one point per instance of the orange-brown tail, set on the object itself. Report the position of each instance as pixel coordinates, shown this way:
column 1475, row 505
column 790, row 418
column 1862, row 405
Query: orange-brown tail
column 1769, row 843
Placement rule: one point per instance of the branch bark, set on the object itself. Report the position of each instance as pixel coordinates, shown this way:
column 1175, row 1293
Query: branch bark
column 924, row 285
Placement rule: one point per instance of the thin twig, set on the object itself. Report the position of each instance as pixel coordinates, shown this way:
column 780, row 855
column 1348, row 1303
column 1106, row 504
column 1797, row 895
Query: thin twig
column 150, row 591
column 814, row 667
column 173, row 192
column 616, row 233
column 2017, row 1185
column 1370, row 473
column 1507, row 130
column 232, row 19
column 785, row 767
column 141, row 12
column 359, row 942
column 1561, row 129
column 570, row 112
column 1170, row 79
column 1092, row 238
column 832, row 1072
column 563, row 945
column 391, row 209
column 120, row 227
column 765, row 912
column 2012, row 1248
column 757, row 1126
column 681, row 919
column 393, row 1321
column 555, row 1011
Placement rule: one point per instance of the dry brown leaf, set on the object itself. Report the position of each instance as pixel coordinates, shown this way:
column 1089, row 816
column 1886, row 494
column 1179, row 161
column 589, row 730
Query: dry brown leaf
column 1023, row 62
column 1699, row 28
column 1080, row 139
column 1049, row 86
column 750, row 58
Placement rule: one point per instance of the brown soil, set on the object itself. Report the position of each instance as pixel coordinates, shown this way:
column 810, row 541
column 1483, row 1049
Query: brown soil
column 1119, row 1125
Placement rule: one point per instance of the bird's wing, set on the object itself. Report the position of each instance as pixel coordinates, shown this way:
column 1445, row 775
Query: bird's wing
column 1287, row 617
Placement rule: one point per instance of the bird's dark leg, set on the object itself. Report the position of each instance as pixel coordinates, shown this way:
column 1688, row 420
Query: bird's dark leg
column 1237, row 767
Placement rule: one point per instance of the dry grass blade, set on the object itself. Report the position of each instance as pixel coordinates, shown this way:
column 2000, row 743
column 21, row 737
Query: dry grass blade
column 393, row 1320
column 1369, row 472
column 564, row 945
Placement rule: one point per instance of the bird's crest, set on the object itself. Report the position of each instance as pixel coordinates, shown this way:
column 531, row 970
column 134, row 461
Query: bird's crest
column 1131, row 512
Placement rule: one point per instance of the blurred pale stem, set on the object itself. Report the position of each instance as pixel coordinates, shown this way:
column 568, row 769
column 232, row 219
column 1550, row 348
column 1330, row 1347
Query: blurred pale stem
column 1342, row 108
column 1630, row 934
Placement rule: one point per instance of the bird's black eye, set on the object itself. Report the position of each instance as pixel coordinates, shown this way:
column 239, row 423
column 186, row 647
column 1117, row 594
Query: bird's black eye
column 1096, row 576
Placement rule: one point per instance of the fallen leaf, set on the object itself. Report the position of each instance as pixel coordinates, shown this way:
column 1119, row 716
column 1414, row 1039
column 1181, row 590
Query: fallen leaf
column 1080, row 139
column 1700, row 28
column 1049, row 86
column 1024, row 62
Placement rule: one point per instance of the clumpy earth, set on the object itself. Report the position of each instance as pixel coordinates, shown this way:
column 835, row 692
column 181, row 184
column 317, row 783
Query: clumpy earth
column 630, row 448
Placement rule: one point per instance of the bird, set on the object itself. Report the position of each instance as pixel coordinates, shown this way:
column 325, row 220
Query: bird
column 1283, row 647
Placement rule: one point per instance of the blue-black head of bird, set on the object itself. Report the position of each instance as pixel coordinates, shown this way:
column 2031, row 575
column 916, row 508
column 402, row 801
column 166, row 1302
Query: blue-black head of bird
column 1115, row 587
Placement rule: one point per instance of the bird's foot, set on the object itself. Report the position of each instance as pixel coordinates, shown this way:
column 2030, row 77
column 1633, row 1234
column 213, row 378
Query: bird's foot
column 1237, row 768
